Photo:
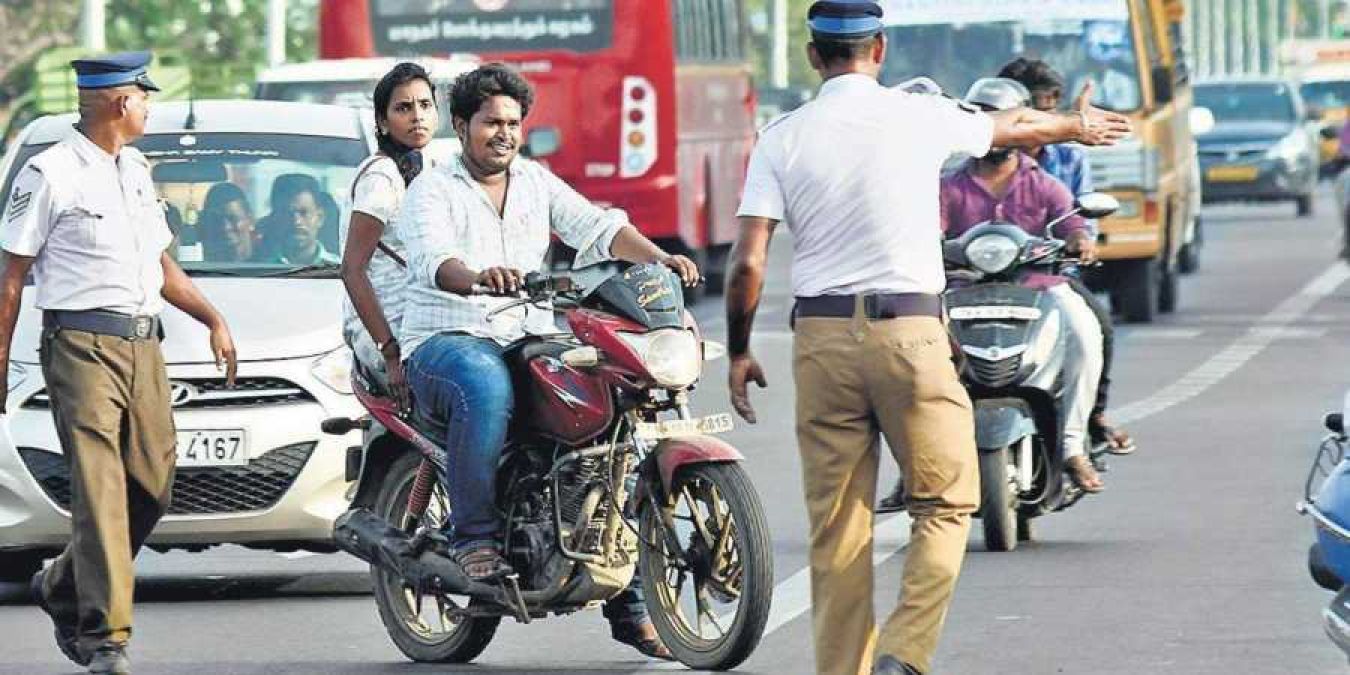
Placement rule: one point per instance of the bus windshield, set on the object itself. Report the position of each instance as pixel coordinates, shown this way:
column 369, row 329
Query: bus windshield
column 956, row 42
column 476, row 26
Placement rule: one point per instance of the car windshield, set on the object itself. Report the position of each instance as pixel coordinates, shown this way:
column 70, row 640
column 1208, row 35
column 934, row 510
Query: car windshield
column 1247, row 102
column 1326, row 95
column 956, row 42
column 249, row 205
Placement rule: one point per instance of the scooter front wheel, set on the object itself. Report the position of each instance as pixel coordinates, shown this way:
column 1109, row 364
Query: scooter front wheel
column 998, row 501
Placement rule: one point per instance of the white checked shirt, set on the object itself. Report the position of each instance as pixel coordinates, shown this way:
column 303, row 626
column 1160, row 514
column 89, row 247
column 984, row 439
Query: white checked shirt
column 854, row 174
column 378, row 193
column 447, row 215
column 95, row 226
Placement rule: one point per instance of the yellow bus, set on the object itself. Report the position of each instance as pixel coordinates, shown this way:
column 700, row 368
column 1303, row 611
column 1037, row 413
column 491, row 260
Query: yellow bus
column 1131, row 50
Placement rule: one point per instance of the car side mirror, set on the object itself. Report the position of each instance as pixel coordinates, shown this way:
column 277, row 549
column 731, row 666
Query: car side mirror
column 1097, row 205
column 1201, row 121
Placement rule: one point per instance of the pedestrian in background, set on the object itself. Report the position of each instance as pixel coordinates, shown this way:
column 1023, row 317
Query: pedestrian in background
column 84, row 216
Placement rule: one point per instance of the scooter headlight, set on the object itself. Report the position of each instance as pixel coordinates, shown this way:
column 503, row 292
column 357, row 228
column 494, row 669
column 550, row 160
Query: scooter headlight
column 334, row 370
column 672, row 356
column 992, row 253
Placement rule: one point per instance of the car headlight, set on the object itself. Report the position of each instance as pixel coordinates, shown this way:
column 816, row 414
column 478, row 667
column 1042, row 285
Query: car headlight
column 992, row 253
column 672, row 356
column 16, row 376
column 334, row 369
column 1289, row 148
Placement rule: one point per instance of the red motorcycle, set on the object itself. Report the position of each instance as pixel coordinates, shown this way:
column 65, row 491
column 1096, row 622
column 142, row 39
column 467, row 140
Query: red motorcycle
column 602, row 438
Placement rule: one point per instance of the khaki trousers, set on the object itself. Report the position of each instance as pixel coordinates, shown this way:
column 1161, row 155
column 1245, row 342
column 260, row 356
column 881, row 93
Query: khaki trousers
column 110, row 402
column 857, row 379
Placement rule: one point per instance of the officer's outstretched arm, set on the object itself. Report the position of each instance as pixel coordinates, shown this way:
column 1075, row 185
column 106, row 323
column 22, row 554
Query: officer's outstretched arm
column 11, row 297
column 1026, row 127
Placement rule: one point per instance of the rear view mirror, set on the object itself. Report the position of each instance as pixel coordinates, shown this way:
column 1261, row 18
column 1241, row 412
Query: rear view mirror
column 1097, row 205
column 1201, row 120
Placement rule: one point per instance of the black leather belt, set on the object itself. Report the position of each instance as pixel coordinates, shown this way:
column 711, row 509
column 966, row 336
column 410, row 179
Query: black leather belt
column 875, row 305
column 104, row 322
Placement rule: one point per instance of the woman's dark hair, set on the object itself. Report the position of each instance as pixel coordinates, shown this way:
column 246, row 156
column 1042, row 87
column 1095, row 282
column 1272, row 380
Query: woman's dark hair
column 408, row 160
column 494, row 79
column 1034, row 74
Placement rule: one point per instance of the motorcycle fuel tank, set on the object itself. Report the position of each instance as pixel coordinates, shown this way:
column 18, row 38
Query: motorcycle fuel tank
column 564, row 403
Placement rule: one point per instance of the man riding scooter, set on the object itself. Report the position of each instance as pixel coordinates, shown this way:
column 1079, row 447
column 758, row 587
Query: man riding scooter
column 1007, row 185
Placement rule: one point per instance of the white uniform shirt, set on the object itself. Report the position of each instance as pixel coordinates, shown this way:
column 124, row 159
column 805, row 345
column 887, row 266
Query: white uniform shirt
column 447, row 215
column 95, row 226
column 378, row 193
column 854, row 174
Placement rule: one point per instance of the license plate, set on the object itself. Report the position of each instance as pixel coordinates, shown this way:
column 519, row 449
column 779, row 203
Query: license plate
column 1232, row 174
column 994, row 312
column 212, row 447
column 712, row 424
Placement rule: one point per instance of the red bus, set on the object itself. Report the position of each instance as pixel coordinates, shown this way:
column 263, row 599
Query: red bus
column 645, row 105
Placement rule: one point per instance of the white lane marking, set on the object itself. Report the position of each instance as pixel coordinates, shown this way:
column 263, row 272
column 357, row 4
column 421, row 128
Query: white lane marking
column 792, row 596
column 1268, row 328
column 1159, row 333
column 297, row 555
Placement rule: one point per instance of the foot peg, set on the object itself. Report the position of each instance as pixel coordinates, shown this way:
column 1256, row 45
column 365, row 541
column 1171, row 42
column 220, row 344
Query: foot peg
column 511, row 583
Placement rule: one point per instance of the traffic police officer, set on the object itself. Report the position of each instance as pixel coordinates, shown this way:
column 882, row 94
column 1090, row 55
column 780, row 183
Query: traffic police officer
column 83, row 215
column 854, row 173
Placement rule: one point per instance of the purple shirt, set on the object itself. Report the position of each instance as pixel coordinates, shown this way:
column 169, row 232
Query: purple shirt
column 1034, row 198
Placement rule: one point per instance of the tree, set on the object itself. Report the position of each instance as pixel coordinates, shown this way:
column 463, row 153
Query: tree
column 28, row 27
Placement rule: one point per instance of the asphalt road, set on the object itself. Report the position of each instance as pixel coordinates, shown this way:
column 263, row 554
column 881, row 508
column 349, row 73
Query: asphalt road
column 1192, row 561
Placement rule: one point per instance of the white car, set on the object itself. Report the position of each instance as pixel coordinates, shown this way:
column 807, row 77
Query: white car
column 351, row 82
column 253, row 466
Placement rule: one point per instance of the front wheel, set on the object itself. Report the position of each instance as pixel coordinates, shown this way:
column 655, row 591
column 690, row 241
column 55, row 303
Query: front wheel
column 1304, row 205
column 707, row 567
column 422, row 626
column 1138, row 290
column 998, row 501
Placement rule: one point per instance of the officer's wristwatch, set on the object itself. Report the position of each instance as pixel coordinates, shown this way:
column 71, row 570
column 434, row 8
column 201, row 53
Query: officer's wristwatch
column 385, row 345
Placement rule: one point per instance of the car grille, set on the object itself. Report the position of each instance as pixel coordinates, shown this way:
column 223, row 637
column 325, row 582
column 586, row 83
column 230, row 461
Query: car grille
column 1245, row 155
column 196, row 490
column 213, row 394
column 995, row 374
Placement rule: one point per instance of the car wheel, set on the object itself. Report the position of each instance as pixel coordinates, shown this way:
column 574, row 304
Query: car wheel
column 20, row 566
column 1138, row 290
column 1169, row 287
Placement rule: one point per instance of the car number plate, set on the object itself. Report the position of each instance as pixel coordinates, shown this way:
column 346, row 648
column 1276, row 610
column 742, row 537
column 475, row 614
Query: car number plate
column 212, row 447
column 712, row 424
column 994, row 312
column 1232, row 174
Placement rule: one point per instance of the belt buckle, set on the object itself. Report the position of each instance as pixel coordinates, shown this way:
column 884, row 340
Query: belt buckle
column 142, row 327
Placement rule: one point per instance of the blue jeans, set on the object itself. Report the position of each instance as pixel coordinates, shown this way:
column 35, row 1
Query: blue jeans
column 461, row 384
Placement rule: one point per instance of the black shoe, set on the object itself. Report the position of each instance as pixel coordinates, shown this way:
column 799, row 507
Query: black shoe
column 895, row 501
column 110, row 659
column 889, row 665
column 67, row 635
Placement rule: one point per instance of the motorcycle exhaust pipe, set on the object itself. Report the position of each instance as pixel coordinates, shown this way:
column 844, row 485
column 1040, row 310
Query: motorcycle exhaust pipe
column 370, row 538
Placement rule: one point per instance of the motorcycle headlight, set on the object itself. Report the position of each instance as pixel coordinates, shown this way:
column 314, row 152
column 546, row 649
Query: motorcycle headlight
column 16, row 376
column 672, row 356
column 1289, row 148
column 334, row 370
column 992, row 253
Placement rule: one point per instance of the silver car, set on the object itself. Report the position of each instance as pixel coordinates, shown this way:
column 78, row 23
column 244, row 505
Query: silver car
column 253, row 466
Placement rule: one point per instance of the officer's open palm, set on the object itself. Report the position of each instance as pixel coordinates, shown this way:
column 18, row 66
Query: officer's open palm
column 1102, row 127
column 222, row 346
column 745, row 369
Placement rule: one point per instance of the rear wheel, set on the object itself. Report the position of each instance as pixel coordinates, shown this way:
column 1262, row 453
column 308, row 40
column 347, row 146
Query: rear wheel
column 709, row 582
column 1169, row 287
column 422, row 625
column 1138, row 290
column 998, row 501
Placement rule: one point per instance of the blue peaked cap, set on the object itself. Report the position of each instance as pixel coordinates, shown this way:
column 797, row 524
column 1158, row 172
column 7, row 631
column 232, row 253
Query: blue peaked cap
column 844, row 18
column 114, row 70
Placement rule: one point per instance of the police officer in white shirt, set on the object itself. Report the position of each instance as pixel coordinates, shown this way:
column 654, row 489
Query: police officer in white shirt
column 83, row 215
column 854, row 174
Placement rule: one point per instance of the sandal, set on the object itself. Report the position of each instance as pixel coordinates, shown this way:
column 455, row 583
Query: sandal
column 1083, row 475
column 482, row 564
column 640, row 635
column 1116, row 440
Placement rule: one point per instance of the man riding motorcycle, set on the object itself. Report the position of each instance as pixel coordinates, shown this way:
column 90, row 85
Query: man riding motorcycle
column 476, row 224
column 1007, row 185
